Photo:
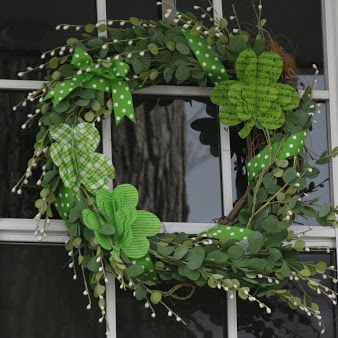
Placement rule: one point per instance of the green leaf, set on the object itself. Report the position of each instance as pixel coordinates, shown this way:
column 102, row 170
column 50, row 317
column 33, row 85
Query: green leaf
column 62, row 107
column 218, row 257
column 255, row 242
column 299, row 245
column 171, row 45
column 305, row 272
column 95, row 43
column 134, row 21
column 156, row 297
column 134, row 270
column 182, row 73
column 168, row 74
column 153, row 74
column 180, row 252
column 325, row 210
column 53, row 62
column 235, row 252
column 285, row 270
column 289, row 175
column 99, row 290
column 152, row 47
column 66, row 70
column 72, row 42
column 273, row 242
column 237, row 44
column 195, row 262
column 93, row 265
column 275, row 254
column 308, row 211
column 321, row 267
column 165, row 251
column 183, row 48
column 140, row 291
column 89, row 28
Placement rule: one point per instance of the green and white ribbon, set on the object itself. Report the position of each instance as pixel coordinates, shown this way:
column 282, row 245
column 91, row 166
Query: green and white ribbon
column 107, row 76
column 236, row 233
column 292, row 146
column 211, row 64
column 74, row 154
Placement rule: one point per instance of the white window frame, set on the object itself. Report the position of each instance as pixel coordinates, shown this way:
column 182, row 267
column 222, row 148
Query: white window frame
column 22, row 230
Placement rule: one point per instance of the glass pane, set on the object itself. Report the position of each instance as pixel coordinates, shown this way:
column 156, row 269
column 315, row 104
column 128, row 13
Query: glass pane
column 177, row 176
column 27, row 30
column 284, row 322
column 147, row 10
column 204, row 313
column 16, row 148
column 316, row 143
column 40, row 299
column 286, row 22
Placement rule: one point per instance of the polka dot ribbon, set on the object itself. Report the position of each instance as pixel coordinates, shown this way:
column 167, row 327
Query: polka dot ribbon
column 292, row 147
column 232, row 232
column 211, row 64
column 107, row 76
column 64, row 200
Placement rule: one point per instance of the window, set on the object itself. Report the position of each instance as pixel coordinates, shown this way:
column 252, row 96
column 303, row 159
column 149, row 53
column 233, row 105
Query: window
column 219, row 316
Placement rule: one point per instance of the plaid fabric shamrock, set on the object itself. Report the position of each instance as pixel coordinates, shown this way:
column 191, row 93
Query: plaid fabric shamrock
column 256, row 95
column 74, row 154
column 124, row 227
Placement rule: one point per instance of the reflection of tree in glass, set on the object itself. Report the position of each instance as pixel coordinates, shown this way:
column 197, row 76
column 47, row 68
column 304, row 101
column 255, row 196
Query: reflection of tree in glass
column 15, row 151
column 204, row 313
column 152, row 156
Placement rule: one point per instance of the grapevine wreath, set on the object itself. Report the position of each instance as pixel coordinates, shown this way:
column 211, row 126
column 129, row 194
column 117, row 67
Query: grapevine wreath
column 251, row 251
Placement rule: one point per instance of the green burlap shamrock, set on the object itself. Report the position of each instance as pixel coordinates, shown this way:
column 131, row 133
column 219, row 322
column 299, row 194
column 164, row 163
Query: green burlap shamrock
column 124, row 227
column 74, row 154
column 107, row 76
column 256, row 95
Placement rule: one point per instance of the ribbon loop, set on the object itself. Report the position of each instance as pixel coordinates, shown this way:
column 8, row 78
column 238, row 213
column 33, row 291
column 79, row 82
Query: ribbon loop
column 211, row 64
column 104, row 77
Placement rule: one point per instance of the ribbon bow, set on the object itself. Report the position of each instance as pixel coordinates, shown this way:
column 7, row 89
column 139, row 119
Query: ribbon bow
column 107, row 76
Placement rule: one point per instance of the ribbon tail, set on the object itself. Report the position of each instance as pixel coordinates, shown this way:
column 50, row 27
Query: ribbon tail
column 122, row 101
column 211, row 65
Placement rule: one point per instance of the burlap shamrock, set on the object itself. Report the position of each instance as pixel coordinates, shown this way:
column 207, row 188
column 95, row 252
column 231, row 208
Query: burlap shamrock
column 255, row 95
column 121, row 226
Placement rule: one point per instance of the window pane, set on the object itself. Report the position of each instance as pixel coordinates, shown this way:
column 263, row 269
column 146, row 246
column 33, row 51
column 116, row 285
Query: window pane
column 316, row 143
column 287, row 20
column 284, row 322
column 16, row 148
column 40, row 299
column 27, row 30
column 205, row 314
column 165, row 158
column 147, row 10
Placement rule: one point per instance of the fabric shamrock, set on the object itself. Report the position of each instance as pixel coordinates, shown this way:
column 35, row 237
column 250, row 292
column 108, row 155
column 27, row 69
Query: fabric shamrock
column 255, row 95
column 74, row 154
column 124, row 227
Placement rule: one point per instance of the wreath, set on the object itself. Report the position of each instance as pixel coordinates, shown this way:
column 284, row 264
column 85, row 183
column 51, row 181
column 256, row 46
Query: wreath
column 251, row 251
